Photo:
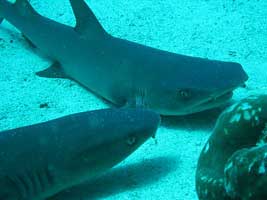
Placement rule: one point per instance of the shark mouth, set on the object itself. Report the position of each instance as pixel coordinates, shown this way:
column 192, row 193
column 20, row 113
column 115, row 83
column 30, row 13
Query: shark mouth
column 226, row 94
column 221, row 99
column 214, row 101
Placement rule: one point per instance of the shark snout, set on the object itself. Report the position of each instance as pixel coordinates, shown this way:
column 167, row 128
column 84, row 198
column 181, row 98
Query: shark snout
column 235, row 76
column 144, row 122
column 128, row 130
column 152, row 122
column 140, row 125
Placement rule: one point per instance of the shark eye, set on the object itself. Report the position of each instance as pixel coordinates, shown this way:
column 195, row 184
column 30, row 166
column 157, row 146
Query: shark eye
column 185, row 94
column 131, row 140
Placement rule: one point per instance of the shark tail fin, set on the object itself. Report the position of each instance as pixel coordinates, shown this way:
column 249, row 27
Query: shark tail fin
column 86, row 22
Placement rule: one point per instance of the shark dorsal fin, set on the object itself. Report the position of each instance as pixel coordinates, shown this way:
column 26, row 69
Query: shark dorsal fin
column 86, row 22
column 24, row 7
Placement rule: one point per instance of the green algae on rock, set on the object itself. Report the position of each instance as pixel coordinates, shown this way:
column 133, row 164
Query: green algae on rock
column 232, row 164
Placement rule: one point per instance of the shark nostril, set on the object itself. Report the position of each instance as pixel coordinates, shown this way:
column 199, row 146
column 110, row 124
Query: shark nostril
column 131, row 140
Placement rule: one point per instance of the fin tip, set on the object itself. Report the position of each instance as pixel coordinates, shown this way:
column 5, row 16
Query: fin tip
column 86, row 21
column 54, row 71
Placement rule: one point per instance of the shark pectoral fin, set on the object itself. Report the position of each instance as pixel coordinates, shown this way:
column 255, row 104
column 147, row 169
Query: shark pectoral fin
column 54, row 71
column 86, row 22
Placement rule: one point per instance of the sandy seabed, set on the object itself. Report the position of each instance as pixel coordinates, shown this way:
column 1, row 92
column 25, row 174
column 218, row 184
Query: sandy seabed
column 230, row 30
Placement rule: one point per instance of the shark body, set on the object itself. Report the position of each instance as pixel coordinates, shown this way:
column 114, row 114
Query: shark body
column 40, row 160
column 123, row 72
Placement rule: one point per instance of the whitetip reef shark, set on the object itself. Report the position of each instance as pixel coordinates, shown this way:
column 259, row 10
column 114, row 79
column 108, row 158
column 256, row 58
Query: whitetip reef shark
column 40, row 160
column 123, row 72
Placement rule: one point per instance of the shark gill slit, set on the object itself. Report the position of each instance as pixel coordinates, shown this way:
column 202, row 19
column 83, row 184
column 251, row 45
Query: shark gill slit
column 30, row 184
column 19, row 184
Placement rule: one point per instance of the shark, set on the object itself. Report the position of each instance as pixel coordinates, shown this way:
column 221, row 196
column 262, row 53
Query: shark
column 40, row 160
column 125, row 73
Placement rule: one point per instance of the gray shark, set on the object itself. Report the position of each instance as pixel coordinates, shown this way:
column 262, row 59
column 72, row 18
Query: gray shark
column 41, row 160
column 123, row 72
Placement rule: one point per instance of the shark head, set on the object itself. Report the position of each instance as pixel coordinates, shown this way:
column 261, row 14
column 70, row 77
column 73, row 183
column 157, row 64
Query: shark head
column 64, row 152
column 107, row 138
column 186, row 91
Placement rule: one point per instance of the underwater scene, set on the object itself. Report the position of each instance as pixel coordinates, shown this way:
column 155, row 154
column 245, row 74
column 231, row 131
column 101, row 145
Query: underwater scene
column 133, row 99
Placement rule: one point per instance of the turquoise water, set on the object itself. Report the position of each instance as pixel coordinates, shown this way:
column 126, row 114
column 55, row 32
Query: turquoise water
column 223, row 30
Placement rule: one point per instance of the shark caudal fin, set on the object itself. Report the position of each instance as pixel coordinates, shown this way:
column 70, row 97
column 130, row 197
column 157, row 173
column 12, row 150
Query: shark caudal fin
column 86, row 22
